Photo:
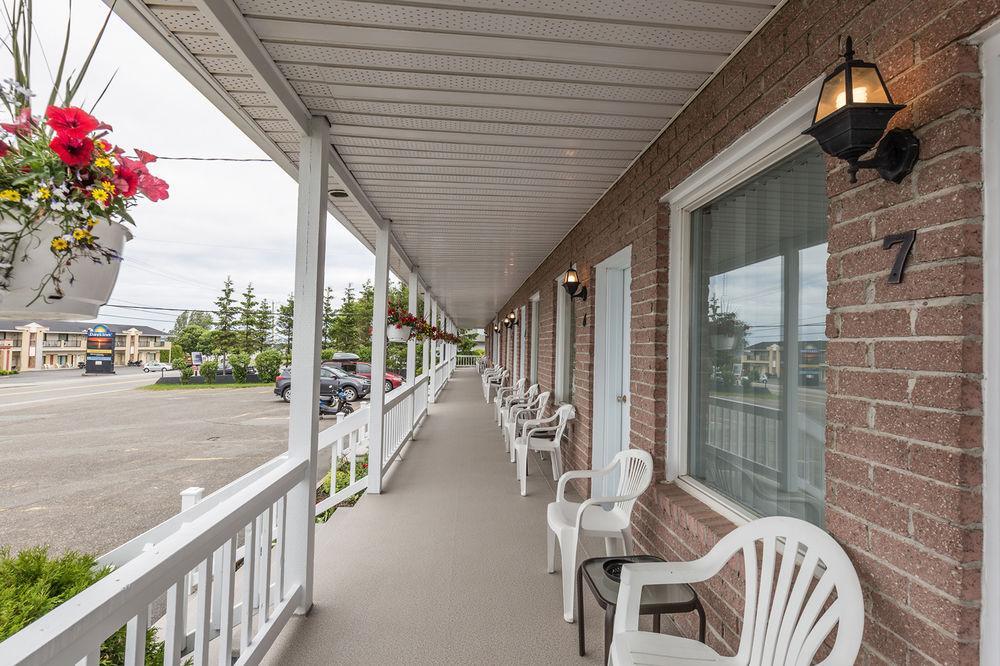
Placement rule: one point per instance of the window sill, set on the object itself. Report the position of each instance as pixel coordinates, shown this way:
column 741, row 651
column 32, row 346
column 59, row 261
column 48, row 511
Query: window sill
column 699, row 518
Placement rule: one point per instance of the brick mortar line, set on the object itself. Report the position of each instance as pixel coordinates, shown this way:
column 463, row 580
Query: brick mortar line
column 924, row 303
column 972, row 527
column 977, row 452
column 876, row 243
column 908, row 406
column 920, row 198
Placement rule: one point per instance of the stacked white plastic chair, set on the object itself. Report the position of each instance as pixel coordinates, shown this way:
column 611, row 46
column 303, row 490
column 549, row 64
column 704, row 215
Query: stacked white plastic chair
column 542, row 434
column 511, row 402
column 786, row 617
column 493, row 378
column 506, row 394
column 568, row 521
column 519, row 414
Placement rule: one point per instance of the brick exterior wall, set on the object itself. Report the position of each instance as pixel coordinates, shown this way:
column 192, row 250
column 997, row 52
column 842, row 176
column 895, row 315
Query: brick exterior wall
column 904, row 412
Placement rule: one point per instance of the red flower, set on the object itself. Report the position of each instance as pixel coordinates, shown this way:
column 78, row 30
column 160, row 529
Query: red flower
column 23, row 124
column 71, row 121
column 154, row 188
column 145, row 157
column 73, row 150
column 4, row 149
column 126, row 181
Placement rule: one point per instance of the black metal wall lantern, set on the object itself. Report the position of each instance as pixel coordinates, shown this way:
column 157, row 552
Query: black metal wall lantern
column 513, row 318
column 571, row 283
column 496, row 328
column 853, row 111
column 507, row 322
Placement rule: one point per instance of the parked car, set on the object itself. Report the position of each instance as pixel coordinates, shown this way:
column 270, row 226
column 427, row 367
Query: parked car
column 352, row 363
column 330, row 379
column 156, row 366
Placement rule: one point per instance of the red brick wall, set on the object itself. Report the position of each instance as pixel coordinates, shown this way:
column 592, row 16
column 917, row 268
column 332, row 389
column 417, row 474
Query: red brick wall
column 904, row 408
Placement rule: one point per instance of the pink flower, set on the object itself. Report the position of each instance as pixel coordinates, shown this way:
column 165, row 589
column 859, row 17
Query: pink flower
column 22, row 125
column 154, row 188
column 71, row 121
column 4, row 149
column 145, row 157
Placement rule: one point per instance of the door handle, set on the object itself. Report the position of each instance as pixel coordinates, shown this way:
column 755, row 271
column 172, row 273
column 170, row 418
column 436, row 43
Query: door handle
column 622, row 398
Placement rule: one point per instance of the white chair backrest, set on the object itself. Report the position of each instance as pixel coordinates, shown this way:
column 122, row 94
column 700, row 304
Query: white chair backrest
column 519, row 387
column 635, row 473
column 531, row 393
column 786, row 618
column 565, row 413
column 541, row 402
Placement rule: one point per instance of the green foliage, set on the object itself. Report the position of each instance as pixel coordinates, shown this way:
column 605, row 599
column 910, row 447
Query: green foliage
column 240, row 362
column 8, row 372
column 187, row 372
column 248, row 322
column 175, row 355
column 225, row 336
column 268, row 364
column 326, row 354
column 328, row 316
column 285, row 323
column 467, row 344
column 343, row 475
column 264, row 334
column 194, row 338
column 192, row 318
column 32, row 583
column 209, row 370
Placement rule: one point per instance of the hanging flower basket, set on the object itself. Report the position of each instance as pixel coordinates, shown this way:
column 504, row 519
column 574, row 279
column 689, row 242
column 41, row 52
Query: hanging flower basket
column 398, row 333
column 89, row 288
column 65, row 195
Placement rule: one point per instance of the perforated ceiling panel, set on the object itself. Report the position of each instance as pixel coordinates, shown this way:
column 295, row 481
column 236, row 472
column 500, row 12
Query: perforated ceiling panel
column 484, row 129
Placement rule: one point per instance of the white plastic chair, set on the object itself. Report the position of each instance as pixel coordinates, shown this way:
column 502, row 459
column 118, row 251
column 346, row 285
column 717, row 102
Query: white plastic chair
column 785, row 618
column 536, row 435
column 519, row 414
column 526, row 397
column 505, row 394
column 493, row 380
column 568, row 521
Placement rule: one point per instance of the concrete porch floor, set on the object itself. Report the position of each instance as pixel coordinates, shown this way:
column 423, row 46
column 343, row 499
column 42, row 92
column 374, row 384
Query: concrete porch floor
column 447, row 566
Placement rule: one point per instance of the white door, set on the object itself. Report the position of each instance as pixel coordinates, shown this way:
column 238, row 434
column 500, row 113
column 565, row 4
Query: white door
column 613, row 349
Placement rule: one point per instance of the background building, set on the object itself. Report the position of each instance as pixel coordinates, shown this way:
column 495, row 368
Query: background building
column 48, row 345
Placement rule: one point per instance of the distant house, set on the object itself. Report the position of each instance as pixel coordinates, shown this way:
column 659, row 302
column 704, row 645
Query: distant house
column 765, row 358
column 40, row 344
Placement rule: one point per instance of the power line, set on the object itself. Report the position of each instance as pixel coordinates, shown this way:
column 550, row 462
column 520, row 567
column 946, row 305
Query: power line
column 215, row 159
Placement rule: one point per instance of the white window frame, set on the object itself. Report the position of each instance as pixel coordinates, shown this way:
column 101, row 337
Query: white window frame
column 523, row 333
column 770, row 141
column 989, row 42
column 563, row 370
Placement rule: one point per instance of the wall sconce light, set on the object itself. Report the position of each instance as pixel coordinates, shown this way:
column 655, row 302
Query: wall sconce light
column 571, row 283
column 513, row 318
column 851, row 115
column 507, row 322
column 496, row 328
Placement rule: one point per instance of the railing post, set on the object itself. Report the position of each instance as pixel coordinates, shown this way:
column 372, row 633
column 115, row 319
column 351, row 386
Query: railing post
column 411, row 344
column 433, row 366
column 376, row 426
column 303, row 424
column 427, row 344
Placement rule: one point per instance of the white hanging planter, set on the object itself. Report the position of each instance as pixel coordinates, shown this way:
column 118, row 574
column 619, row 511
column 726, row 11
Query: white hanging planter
column 400, row 334
column 92, row 282
column 723, row 341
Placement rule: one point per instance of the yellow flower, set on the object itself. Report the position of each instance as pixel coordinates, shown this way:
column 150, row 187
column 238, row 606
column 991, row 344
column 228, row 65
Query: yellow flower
column 10, row 195
column 44, row 193
column 60, row 244
column 91, row 223
column 100, row 195
column 102, row 163
column 108, row 185
column 81, row 234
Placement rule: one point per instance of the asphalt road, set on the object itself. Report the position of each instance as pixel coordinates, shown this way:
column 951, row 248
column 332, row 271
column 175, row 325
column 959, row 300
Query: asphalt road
column 90, row 462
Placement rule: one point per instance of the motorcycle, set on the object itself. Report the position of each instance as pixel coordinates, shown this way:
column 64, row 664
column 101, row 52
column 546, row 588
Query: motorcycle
column 336, row 403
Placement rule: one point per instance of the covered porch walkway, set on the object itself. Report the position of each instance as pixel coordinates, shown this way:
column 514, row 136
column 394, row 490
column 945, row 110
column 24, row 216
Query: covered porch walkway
column 448, row 565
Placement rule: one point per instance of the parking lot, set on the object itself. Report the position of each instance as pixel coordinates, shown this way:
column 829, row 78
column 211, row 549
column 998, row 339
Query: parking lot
column 90, row 462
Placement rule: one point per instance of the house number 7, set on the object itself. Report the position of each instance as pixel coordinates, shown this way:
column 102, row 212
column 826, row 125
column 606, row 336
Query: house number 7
column 904, row 240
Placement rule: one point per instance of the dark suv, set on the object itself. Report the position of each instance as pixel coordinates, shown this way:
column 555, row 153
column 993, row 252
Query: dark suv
column 353, row 364
column 355, row 388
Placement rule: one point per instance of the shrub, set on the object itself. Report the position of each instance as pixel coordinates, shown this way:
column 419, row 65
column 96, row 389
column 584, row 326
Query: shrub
column 32, row 584
column 172, row 355
column 209, row 370
column 8, row 372
column 268, row 363
column 240, row 362
column 326, row 354
column 187, row 372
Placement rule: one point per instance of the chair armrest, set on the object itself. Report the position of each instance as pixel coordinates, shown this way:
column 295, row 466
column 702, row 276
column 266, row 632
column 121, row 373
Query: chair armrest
column 636, row 576
column 567, row 476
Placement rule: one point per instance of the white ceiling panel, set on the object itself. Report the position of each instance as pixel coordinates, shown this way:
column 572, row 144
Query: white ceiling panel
column 482, row 129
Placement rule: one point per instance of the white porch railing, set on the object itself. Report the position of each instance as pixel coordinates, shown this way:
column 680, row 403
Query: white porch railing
column 466, row 360
column 254, row 597
column 442, row 372
column 405, row 408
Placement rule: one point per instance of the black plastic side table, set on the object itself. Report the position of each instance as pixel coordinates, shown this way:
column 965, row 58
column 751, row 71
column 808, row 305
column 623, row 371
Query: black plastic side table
column 656, row 599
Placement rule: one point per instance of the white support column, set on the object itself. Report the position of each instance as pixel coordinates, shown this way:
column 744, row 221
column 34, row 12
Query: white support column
column 411, row 344
column 377, row 404
column 303, row 424
column 434, row 346
column 427, row 343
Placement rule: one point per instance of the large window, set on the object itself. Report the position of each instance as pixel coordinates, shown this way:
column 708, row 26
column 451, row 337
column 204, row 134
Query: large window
column 565, row 346
column 758, row 349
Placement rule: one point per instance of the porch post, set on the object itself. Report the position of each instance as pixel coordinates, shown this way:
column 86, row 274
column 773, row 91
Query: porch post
column 377, row 404
column 427, row 316
column 411, row 344
column 433, row 366
column 303, row 424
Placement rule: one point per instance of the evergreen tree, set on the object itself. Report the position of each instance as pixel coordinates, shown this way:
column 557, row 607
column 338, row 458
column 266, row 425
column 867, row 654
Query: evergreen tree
column 342, row 330
column 225, row 336
column 328, row 316
column 247, row 324
column 285, row 323
column 265, row 325
column 192, row 318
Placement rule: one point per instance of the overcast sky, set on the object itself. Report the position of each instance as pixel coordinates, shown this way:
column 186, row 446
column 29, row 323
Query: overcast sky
column 222, row 217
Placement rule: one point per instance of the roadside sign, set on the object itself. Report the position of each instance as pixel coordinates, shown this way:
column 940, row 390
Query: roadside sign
column 100, row 350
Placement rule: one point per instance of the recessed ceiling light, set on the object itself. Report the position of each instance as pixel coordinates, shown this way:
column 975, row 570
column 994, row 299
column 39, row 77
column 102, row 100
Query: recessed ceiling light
column 339, row 194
